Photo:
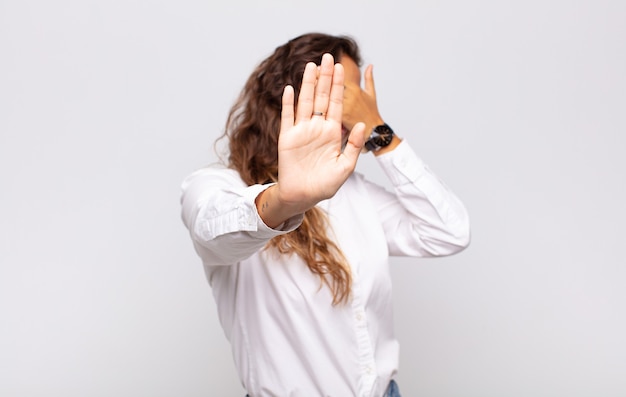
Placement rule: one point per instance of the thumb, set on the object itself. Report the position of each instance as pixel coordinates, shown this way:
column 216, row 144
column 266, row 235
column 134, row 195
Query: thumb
column 369, row 81
column 356, row 140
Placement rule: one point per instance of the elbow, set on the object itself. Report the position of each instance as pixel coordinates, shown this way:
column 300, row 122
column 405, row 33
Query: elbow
column 461, row 233
column 461, row 241
column 453, row 235
column 449, row 241
column 461, row 238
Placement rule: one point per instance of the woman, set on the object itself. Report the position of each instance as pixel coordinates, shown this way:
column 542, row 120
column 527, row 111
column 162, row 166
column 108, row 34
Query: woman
column 295, row 245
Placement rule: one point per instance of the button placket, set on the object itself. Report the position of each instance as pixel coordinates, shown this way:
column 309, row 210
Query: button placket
column 366, row 353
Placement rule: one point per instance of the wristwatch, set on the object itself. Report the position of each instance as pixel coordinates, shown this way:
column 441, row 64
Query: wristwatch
column 380, row 137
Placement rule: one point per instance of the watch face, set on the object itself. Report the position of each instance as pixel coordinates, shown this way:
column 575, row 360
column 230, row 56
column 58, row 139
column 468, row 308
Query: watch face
column 381, row 137
column 384, row 140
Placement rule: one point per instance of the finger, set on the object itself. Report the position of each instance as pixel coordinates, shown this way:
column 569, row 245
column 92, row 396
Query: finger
column 323, row 86
column 307, row 89
column 335, row 105
column 370, row 89
column 286, row 114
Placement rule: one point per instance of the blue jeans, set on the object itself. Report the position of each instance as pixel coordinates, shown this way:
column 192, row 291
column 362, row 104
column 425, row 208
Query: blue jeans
column 392, row 390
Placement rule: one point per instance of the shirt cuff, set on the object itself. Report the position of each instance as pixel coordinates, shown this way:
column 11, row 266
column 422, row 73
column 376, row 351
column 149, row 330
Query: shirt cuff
column 236, row 212
column 260, row 227
column 402, row 165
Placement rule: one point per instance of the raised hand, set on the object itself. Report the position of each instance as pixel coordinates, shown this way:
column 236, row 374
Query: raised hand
column 360, row 104
column 311, row 163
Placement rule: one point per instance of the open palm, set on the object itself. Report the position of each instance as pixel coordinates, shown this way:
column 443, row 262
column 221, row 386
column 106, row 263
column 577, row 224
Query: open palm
column 311, row 163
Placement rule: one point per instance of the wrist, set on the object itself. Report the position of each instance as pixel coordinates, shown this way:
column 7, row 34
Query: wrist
column 272, row 209
column 380, row 137
column 394, row 143
column 371, row 124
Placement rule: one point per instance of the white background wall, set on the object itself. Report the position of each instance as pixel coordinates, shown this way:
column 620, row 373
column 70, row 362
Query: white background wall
column 106, row 105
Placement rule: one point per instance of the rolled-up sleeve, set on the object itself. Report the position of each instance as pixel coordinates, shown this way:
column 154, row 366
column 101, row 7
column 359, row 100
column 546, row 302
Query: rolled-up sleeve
column 219, row 211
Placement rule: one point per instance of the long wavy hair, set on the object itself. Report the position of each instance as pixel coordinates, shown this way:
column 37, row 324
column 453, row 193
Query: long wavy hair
column 252, row 130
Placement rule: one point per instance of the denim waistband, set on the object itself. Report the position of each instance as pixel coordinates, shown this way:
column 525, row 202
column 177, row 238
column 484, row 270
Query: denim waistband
column 392, row 390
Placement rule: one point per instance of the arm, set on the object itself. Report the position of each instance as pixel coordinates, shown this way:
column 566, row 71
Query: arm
column 229, row 221
column 219, row 211
column 422, row 216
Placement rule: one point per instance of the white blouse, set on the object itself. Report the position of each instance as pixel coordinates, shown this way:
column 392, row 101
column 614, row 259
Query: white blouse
column 287, row 338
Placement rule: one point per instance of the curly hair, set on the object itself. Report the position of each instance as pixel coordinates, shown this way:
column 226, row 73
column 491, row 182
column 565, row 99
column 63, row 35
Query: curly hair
column 252, row 130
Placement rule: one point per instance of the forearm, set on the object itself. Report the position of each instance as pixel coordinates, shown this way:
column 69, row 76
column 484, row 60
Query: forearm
column 221, row 214
column 426, row 217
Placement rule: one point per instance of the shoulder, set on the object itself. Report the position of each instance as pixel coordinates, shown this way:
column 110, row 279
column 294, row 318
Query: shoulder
column 205, row 185
column 209, row 181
